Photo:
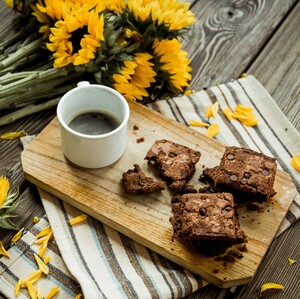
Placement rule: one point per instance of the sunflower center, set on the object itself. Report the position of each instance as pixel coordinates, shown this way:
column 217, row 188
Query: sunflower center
column 76, row 38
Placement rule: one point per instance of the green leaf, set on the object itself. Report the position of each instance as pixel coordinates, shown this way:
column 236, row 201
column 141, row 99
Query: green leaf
column 8, row 224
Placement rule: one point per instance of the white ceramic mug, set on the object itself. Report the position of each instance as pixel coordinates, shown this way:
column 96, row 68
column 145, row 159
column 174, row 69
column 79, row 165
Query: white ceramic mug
column 92, row 151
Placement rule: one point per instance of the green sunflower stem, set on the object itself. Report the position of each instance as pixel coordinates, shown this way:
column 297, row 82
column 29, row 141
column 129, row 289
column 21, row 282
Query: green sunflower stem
column 18, row 36
column 21, row 53
column 27, row 110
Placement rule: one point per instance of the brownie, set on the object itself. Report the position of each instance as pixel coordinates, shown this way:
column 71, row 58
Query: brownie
column 244, row 171
column 136, row 182
column 208, row 222
column 175, row 162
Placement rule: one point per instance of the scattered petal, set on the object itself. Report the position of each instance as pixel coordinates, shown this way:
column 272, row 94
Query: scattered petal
column 31, row 278
column 228, row 113
column 78, row 219
column 291, row 261
column 245, row 115
column 188, row 92
column 296, row 162
column 47, row 259
column 31, row 290
column 212, row 110
column 42, row 266
column 52, row 292
column 196, row 123
column 17, row 287
column 4, row 187
column 213, row 130
column 44, row 232
column 271, row 285
column 3, row 250
column 12, row 135
column 17, row 236
column 78, row 296
column 244, row 75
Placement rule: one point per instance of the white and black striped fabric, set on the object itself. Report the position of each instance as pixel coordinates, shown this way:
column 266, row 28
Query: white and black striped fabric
column 96, row 260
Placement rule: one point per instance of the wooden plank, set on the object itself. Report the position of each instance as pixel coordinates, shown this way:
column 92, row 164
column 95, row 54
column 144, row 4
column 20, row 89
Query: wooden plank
column 277, row 67
column 228, row 37
column 146, row 218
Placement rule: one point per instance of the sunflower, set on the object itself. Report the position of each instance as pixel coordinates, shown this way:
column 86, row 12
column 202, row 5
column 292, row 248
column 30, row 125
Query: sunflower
column 76, row 38
column 173, row 61
column 172, row 13
column 136, row 76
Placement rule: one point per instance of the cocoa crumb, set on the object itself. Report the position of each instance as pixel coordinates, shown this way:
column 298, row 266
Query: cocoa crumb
column 139, row 140
column 135, row 127
column 215, row 271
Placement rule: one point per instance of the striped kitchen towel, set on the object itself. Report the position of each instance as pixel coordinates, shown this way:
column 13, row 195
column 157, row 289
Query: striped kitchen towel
column 96, row 260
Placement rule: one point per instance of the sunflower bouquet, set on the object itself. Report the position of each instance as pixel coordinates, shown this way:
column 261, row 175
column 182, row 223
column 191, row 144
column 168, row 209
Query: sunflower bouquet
column 132, row 46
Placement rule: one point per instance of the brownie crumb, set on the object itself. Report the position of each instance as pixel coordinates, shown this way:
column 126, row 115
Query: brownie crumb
column 136, row 182
column 135, row 127
column 139, row 140
column 215, row 271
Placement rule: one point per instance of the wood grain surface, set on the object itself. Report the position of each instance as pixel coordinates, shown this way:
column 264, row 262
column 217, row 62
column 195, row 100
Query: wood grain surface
column 145, row 219
column 256, row 51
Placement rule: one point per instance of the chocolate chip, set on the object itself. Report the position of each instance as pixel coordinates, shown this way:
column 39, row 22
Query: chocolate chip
column 202, row 211
column 265, row 172
column 226, row 209
column 234, row 177
column 247, row 175
column 244, row 181
column 230, row 157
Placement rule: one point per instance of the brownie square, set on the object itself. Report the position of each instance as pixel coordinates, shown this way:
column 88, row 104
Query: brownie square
column 136, row 182
column 246, row 171
column 201, row 216
column 207, row 222
column 175, row 162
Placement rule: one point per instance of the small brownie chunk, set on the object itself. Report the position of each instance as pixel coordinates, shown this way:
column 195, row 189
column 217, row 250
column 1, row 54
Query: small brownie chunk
column 175, row 162
column 136, row 182
column 207, row 221
column 245, row 171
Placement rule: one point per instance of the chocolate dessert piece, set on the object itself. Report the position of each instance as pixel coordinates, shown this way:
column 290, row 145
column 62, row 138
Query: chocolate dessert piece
column 207, row 221
column 175, row 162
column 244, row 172
column 136, row 182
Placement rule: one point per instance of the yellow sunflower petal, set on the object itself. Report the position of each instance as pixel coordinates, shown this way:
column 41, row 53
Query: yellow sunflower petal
column 296, row 162
column 3, row 250
column 271, row 285
column 17, row 236
column 4, row 187
column 12, row 135
column 52, row 292
column 17, row 287
column 196, row 123
column 31, row 290
column 44, row 232
column 32, row 278
column 42, row 266
column 213, row 130
column 47, row 259
column 228, row 113
column 212, row 110
column 291, row 261
column 78, row 296
column 78, row 219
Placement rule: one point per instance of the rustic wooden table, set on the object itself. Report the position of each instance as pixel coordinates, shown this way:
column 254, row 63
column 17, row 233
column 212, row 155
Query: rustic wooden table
column 259, row 37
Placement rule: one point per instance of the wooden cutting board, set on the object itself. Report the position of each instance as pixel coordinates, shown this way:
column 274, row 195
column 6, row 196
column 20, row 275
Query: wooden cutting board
column 145, row 219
